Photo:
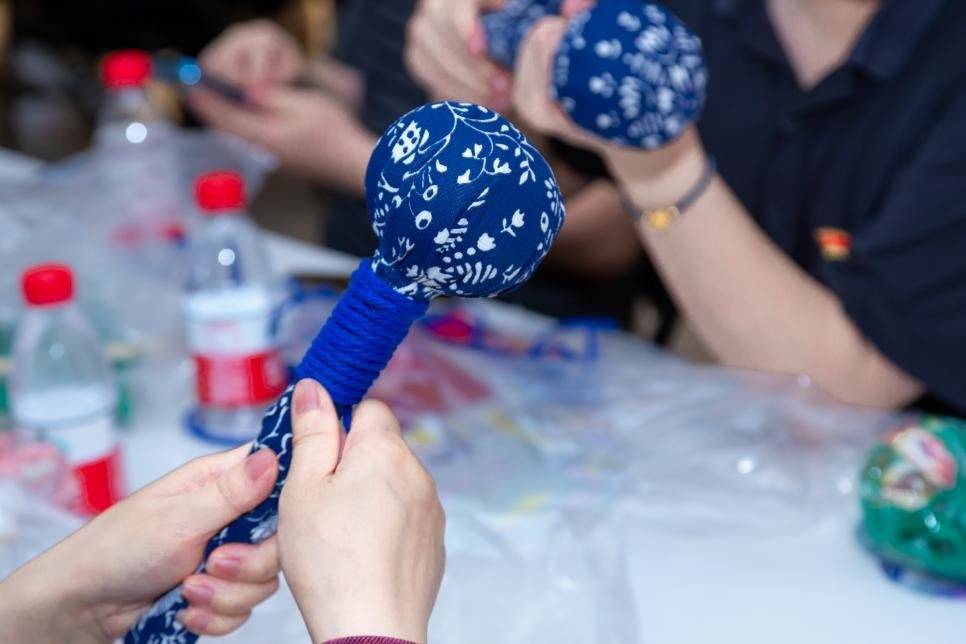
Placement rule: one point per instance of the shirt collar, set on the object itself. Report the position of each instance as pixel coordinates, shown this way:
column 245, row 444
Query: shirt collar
column 890, row 39
column 883, row 48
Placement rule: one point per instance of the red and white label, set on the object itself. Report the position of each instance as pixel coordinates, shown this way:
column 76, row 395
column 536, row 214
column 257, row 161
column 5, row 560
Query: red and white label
column 228, row 334
column 91, row 449
column 238, row 381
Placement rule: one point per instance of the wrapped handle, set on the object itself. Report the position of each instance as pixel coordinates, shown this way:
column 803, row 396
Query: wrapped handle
column 346, row 357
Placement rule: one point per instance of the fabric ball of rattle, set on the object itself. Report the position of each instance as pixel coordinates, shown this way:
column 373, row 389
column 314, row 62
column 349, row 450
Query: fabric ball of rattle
column 630, row 72
column 462, row 205
column 506, row 29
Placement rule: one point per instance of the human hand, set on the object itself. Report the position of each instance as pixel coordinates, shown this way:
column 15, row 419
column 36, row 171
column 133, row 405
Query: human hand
column 254, row 54
column 360, row 524
column 446, row 53
column 308, row 130
column 94, row 585
column 651, row 178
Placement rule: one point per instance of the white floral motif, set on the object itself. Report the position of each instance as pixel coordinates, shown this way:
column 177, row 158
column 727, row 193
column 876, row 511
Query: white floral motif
column 642, row 80
column 467, row 152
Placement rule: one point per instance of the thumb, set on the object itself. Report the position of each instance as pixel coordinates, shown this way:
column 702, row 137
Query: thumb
column 316, row 432
column 571, row 8
column 235, row 491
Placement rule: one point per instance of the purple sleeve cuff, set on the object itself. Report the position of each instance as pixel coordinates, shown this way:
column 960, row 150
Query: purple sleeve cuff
column 368, row 639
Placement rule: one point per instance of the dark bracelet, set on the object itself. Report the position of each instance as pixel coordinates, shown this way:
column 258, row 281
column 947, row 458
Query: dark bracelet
column 661, row 218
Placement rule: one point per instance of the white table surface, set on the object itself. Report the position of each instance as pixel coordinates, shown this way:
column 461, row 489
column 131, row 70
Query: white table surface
column 817, row 587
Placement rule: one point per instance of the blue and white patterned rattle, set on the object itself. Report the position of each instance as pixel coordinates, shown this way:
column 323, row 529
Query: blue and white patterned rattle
column 505, row 29
column 463, row 205
column 629, row 71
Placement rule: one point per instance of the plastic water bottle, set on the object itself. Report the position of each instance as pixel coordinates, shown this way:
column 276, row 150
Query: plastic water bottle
column 228, row 310
column 138, row 165
column 62, row 388
column 128, row 117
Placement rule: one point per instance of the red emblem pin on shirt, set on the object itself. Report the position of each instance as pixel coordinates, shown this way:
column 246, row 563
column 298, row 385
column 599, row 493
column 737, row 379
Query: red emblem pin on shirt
column 835, row 243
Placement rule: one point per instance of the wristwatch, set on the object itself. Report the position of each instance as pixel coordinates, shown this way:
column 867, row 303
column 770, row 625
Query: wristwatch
column 661, row 219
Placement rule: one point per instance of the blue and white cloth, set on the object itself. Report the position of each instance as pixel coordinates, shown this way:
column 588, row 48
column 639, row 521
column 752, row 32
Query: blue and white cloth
column 462, row 203
column 506, row 29
column 630, row 72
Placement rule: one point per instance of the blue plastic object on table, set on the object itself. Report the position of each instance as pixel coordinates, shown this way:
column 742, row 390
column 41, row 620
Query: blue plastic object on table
column 463, row 205
column 628, row 71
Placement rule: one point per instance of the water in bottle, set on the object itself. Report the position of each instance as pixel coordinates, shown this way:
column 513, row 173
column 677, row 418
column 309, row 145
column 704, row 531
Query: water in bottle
column 228, row 310
column 138, row 166
column 62, row 388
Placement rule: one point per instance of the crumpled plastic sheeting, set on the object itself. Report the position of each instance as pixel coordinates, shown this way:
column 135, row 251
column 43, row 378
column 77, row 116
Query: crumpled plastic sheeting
column 126, row 245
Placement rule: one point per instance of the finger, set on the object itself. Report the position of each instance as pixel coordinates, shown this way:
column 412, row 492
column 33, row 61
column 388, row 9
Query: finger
column 280, row 99
column 477, row 40
column 234, row 492
column 532, row 86
column 315, row 431
column 201, row 621
column 241, row 121
column 453, row 38
column 246, row 563
column 571, row 8
column 261, row 60
column 226, row 597
column 430, row 64
column 372, row 420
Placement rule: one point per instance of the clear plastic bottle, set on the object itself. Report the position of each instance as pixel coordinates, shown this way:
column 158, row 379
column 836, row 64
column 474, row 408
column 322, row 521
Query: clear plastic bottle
column 228, row 313
column 138, row 165
column 62, row 388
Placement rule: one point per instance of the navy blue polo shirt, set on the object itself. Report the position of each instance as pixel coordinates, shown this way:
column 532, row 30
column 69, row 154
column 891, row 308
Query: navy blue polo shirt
column 862, row 179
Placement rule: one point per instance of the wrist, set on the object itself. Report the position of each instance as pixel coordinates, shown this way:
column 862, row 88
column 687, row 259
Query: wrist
column 659, row 178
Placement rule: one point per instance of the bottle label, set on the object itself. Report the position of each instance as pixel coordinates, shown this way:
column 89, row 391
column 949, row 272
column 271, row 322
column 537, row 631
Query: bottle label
column 91, row 449
column 236, row 361
column 239, row 381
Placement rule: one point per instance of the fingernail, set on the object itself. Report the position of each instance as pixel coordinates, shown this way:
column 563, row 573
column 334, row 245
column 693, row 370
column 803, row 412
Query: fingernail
column 225, row 566
column 194, row 620
column 257, row 464
column 306, row 397
column 198, row 593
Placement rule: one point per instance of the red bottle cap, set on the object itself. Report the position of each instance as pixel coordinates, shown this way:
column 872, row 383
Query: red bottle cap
column 218, row 192
column 127, row 68
column 48, row 284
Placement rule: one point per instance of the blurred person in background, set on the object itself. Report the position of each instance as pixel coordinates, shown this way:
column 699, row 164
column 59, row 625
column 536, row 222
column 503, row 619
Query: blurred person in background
column 360, row 540
column 830, row 240
column 53, row 47
column 323, row 117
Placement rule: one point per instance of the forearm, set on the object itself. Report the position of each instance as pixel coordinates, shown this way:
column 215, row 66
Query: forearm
column 752, row 305
column 339, row 160
column 597, row 239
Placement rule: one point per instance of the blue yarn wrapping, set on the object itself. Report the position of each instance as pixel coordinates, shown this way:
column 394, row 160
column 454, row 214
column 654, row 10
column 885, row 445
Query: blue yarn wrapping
column 630, row 72
column 366, row 327
column 348, row 354
column 506, row 29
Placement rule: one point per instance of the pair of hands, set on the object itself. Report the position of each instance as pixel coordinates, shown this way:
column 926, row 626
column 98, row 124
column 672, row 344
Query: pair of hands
column 312, row 131
column 446, row 53
column 360, row 541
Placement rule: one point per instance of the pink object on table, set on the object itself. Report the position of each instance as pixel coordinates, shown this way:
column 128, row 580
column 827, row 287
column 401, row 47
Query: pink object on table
column 40, row 468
